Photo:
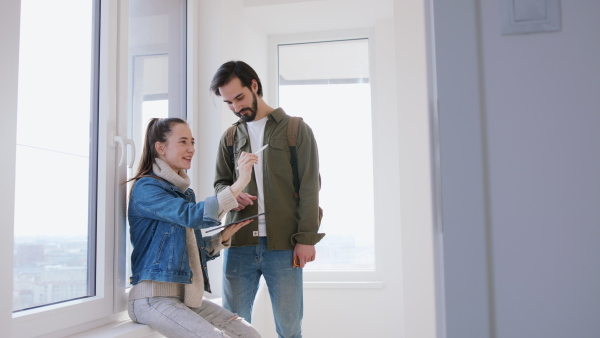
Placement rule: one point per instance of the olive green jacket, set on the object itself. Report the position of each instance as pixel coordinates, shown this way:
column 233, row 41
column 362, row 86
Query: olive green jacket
column 289, row 220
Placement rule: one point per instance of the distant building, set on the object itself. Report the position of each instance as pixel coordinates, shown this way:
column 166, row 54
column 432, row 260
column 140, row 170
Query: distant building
column 29, row 254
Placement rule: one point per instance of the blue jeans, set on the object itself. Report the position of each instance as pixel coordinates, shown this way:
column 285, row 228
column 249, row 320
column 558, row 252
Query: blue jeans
column 171, row 318
column 242, row 268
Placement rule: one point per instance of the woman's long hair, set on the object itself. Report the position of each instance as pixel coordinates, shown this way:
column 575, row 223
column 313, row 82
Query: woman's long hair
column 158, row 130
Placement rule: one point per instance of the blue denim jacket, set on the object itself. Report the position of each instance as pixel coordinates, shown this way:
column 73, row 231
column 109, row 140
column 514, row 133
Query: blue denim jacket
column 158, row 215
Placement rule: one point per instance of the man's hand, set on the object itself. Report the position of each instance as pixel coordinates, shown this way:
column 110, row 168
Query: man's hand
column 243, row 200
column 304, row 253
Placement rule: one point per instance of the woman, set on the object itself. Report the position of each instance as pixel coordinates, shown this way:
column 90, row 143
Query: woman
column 168, row 261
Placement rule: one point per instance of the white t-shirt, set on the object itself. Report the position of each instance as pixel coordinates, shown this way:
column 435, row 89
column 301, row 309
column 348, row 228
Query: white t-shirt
column 256, row 131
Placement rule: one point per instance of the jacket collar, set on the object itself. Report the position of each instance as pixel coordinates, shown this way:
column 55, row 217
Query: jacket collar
column 277, row 114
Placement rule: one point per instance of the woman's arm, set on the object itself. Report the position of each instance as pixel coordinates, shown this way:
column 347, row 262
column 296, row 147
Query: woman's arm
column 228, row 195
column 246, row 162
column 153, row 199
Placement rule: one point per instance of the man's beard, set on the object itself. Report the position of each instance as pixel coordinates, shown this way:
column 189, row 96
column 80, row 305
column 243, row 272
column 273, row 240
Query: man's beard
column 250, row 112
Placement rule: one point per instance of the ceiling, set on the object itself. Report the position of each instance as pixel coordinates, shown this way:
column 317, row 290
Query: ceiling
column 300, row 16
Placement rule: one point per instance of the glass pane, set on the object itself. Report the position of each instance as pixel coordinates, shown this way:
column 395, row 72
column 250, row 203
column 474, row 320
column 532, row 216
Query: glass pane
column 157, row 82
column 55, row 175
column 327, row 84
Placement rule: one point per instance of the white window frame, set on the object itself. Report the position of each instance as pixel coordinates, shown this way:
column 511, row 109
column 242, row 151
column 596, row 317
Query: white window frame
column 343, row 279
column 106, row 306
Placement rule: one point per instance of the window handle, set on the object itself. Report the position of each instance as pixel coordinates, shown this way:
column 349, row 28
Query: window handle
column 123, row 143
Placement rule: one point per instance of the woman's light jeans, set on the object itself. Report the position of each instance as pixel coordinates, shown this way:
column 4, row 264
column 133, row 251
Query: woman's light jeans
column 171, row 318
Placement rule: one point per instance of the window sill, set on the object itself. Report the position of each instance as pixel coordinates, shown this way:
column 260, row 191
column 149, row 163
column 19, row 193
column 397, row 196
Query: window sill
column 343, row 285
column 120, row 329
column 125, row 328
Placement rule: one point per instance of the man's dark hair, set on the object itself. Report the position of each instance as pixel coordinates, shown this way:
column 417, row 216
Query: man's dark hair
column 232, row 69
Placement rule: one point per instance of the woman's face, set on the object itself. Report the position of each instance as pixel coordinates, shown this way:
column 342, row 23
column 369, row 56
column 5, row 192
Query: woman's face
column 177, row 152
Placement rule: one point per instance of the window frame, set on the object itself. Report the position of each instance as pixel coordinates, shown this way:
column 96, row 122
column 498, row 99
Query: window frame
column 71, row 315
column 339, row 279
column 177, row 107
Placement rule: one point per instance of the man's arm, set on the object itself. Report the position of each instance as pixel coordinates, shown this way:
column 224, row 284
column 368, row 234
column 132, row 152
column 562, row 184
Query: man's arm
column 308, row 175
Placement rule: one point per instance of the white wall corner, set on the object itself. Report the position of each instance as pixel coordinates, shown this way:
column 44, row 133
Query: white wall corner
column 412, row 33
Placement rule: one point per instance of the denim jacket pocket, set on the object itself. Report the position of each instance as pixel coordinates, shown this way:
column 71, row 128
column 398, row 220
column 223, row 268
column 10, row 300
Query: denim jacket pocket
column 172, row 253
column 164, row 243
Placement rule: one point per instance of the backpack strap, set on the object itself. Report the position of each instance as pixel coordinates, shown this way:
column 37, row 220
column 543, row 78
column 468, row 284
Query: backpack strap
column 230, row 137
column 292, row 136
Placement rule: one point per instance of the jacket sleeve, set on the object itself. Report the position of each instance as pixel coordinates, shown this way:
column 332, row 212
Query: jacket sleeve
column 214, row 245
column 150, row 199
column 308, row 175
column 224, row 173
column 211, row 245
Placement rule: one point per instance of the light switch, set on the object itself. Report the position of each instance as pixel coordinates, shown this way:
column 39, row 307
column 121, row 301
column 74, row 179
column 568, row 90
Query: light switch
column 530, row 16
column 530, row 10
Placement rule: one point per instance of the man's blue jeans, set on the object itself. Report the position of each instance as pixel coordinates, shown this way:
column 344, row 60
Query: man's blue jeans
column 242, row 268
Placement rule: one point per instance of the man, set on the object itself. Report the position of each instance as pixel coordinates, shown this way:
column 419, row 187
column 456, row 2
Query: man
column 288, row 232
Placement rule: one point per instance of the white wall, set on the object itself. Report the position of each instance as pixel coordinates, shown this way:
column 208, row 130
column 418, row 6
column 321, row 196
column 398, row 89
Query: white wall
column 520, row 169
column 329, row 310
column 543, row 107
column 415, row 114
column 462, row 172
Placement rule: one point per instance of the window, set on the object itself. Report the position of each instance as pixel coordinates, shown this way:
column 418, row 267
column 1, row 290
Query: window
column 56, row 172
column 157, row 64
column 83, row 93
column 328, row 83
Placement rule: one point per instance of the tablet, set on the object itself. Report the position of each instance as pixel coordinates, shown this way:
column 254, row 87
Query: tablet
column 232, row 223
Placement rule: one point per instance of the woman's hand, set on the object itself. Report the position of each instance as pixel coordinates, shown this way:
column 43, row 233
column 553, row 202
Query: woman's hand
column 244, row 165
column 232, row 229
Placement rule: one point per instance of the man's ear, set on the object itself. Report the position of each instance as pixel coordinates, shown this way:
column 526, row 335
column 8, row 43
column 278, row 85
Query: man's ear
column 254, row 86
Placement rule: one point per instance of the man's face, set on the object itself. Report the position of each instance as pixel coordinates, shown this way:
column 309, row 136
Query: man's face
column 241, row 100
